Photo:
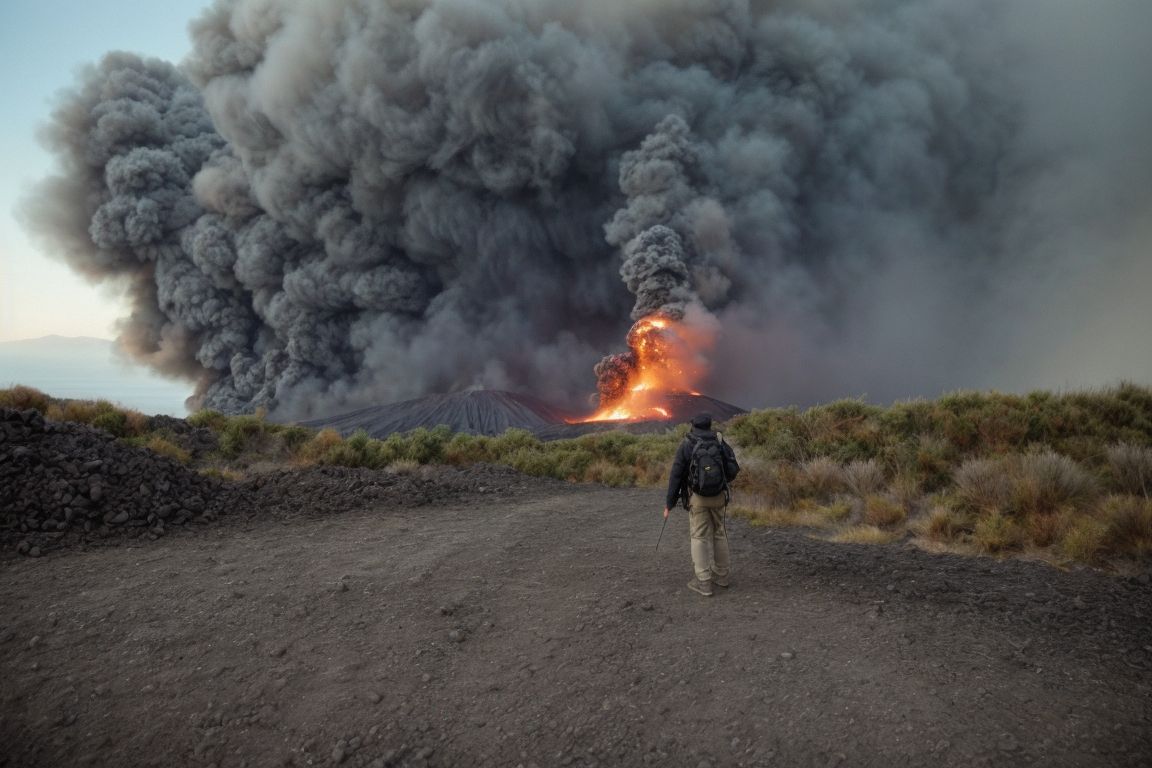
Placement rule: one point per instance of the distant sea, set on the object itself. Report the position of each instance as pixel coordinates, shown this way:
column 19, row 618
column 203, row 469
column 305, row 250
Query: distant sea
column 89, row 369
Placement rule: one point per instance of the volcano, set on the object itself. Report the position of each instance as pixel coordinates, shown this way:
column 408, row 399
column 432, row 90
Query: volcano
column 491, row 412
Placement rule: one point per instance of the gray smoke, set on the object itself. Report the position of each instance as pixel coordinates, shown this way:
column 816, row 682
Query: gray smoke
column 342, row 203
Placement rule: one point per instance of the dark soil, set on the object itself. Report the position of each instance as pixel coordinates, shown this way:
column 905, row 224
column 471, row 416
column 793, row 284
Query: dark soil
column 534, row 624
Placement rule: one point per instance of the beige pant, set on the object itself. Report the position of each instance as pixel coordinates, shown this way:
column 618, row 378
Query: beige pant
column 709, row 538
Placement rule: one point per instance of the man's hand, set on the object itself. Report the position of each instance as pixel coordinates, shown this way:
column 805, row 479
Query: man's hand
column 665, row 512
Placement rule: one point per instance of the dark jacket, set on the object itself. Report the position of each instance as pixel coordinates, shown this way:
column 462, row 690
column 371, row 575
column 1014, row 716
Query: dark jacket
column 678, row 477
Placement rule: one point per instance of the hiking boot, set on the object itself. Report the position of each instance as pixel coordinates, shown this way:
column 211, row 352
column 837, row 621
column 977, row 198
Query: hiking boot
column 720, row 582
column 703, row 587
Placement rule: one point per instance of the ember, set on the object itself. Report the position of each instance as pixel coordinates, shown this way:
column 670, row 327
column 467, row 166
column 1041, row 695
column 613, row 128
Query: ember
column 665, row 356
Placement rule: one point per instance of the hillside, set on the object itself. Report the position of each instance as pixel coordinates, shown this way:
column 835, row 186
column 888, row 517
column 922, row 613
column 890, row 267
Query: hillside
column 492, row 412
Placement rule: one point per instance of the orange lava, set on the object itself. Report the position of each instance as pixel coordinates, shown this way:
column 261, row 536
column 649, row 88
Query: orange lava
column 668, row 359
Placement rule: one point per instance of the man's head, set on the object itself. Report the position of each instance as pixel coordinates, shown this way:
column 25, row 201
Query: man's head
column 702, row 421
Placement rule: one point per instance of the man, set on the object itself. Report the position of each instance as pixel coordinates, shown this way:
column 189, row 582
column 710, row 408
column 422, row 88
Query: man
column 704, row 466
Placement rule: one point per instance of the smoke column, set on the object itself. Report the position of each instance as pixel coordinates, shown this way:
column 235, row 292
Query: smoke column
column 351, row 202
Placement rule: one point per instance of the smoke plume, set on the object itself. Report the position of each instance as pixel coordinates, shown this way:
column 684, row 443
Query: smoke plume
column 341, row 203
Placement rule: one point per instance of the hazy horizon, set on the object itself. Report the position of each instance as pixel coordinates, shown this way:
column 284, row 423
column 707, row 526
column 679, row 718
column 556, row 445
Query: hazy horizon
column 88, row 368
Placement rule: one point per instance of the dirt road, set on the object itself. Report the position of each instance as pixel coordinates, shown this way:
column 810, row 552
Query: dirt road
column 541, row 628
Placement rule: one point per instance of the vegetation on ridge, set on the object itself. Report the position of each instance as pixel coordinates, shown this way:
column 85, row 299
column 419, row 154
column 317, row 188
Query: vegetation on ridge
column 1066, row 477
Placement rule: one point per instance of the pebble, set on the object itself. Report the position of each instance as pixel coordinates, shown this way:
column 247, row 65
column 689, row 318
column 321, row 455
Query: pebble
column 426, row 677
column 278, row 651
column 35, row 641
column 34, row 552
column 786, row 655
column 456, row 636
column 374, row 697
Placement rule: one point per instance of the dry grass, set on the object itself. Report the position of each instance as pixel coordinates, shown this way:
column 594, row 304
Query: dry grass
column 883, row 511
column 1131, row 468
column 1044, row 483
column 866, row 534
column 1128, row 520
column 24, row 398
column 945, row 525
column 1084, row 540
column 166, row 447
column 821, row 478
column 774, row 516
column 996, row 533
column 863, row 478
column 404, row 467
column 982, row 484
column 319, row 446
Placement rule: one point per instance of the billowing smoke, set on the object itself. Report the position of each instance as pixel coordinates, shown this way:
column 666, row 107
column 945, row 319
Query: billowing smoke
column 341, row 203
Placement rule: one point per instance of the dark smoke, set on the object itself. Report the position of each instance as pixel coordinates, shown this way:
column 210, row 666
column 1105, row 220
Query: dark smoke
column 355, row 201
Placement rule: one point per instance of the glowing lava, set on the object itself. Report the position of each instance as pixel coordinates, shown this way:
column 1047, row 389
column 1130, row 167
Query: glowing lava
column 665, row 355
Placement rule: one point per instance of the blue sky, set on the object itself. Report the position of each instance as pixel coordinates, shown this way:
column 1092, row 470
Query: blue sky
column 43, row 43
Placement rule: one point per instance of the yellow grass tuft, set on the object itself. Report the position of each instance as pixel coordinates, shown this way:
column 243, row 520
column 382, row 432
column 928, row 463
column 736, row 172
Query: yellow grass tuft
column 1084, row 540
column 866, row 534
column 166, row 447
column 995, row 533
column 883, row 511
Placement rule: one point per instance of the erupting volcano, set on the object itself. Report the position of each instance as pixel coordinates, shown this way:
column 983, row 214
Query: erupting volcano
column 665, row 357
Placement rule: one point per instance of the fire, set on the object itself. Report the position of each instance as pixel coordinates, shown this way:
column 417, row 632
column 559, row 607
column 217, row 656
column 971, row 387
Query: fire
column 665, row 356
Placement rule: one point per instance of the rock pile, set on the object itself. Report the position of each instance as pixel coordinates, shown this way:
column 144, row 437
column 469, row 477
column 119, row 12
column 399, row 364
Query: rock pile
column 65, row 483
column 56, row 477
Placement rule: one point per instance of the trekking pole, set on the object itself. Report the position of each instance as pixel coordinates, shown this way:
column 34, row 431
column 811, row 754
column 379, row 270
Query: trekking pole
column 662, row 527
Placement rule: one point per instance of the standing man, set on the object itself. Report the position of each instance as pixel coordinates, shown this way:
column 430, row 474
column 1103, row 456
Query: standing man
column 704, row 466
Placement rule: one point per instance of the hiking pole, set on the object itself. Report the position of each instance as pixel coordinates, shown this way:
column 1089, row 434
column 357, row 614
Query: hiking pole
column 662, row 527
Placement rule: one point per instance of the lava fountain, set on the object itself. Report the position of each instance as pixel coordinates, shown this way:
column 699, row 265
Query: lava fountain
column 665, row 355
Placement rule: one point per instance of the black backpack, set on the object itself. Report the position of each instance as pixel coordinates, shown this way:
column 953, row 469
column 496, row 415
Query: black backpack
column 707, row 473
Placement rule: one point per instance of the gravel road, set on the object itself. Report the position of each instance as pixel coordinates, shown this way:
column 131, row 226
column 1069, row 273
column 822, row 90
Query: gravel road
column 539, row 627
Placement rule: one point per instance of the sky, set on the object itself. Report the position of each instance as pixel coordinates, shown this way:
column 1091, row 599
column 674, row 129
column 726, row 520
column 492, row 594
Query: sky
column 43, row 43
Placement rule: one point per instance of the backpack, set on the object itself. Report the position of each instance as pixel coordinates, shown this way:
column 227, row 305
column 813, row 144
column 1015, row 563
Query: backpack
column 707, row 471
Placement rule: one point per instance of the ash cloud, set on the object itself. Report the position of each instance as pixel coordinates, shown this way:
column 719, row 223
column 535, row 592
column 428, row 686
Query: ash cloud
column 357, row 201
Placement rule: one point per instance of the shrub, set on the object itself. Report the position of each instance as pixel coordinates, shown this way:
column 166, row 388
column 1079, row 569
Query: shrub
column 165, row 447
column 114, row 422
column 863, row 477
column 608, row 473
column 24, row 398
column 1131, row 468
column 467, row 449
column 821, row 478
column 1045, row 530
column 883, row 511
column 1045, row 482
column 995, row 532
column 982, row 484
column 293, row 437
column 426, row 446
column 946, row 525
column 208, row 419
column 933, row 462
column 320, row 444
column 1084, row 539
column 1128, row 521
column 238, row 432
